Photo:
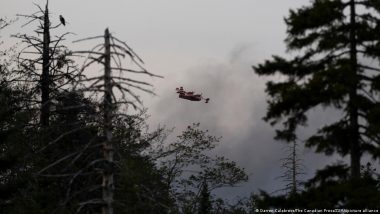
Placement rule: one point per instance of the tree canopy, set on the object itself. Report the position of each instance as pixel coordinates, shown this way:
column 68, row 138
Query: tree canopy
column 333, row 63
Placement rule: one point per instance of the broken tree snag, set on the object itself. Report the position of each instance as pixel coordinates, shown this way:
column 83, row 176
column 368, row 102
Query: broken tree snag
column 117, row 90
column 45, row 76
column 44, row 62
column 107, row 184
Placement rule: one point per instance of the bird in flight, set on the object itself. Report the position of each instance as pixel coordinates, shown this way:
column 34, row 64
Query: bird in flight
column 189, row 95
column 62, row 20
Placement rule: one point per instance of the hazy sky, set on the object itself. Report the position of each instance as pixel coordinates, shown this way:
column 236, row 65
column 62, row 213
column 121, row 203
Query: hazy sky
column 207, row 46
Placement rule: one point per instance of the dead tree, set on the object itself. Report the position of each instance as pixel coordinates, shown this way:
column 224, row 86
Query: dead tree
column 108, row 181
column 293, row 169
column 117, row 91
column 44, row 62
column 45, row 77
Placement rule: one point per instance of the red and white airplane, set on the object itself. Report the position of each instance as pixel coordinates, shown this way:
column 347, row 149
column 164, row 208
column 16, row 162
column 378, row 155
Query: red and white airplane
column 189, row 95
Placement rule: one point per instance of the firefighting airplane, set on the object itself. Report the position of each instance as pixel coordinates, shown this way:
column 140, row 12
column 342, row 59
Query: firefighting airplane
column 189, row 95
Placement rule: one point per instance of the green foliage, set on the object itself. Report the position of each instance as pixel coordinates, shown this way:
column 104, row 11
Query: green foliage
column 328, row 71
column 140, row 186
column 40, row 178
column 333, row 42
column 188, row 163
column 319, row 14
column 204, row 201
column 14, row 146
column 330, row 188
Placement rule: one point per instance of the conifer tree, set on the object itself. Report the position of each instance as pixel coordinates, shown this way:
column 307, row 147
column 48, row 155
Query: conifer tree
column 335, row 40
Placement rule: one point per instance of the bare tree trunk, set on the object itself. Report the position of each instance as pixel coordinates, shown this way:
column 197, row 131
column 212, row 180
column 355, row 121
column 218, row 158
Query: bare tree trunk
column 108, row 183
column 352, row 105
column 109, row 84
column 294, row 168
column 45, row 78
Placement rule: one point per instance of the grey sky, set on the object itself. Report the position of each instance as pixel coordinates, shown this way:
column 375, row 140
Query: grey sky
column 203, row 45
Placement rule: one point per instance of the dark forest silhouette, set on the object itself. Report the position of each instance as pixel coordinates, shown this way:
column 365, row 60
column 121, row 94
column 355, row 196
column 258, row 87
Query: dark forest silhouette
column 74, row 140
